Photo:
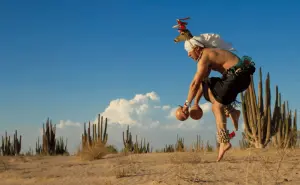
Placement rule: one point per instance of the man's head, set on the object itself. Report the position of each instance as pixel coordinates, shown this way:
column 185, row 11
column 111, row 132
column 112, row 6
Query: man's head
column 194, row 48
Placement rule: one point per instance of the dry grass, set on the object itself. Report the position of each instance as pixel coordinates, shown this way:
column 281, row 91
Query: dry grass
column 272, row 166
column 3, row 165
column 245, row 167
column 94, row 152
column 132, row 166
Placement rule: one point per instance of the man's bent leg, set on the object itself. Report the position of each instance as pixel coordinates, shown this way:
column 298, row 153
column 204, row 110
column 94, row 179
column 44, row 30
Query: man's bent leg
column 222, row 132
column 234, row 115
column 229, row 109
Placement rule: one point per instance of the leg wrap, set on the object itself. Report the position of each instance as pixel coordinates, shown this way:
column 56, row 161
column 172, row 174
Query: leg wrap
column 223, row 136
column 228, row 109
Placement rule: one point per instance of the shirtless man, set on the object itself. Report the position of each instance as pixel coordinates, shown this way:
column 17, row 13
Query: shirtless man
column 221, row 92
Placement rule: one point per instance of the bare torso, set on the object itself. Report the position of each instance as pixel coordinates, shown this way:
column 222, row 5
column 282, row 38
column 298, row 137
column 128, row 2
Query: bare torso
column 220, row 60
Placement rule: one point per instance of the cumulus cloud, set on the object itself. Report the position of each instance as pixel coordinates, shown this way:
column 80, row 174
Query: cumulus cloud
column 145, row 110
column 147, row 118
column 123, row 111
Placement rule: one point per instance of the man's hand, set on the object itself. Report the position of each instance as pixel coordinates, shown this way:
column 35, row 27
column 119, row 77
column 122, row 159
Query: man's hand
column 181, row 114
column 185, row 109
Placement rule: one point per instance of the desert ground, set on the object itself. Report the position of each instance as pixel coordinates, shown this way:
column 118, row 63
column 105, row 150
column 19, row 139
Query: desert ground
column 251, row 166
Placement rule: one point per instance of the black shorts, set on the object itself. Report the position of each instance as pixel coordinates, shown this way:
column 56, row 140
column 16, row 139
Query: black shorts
column 226, row 89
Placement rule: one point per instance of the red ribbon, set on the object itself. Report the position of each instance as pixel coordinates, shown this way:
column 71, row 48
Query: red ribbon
column 232, row 134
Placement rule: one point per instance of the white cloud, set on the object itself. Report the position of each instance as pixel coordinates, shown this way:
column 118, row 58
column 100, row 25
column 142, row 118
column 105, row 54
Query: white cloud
column 147, row 117
column 166, row 107
column 144, row 110
column 68, row 123
column 123, row 111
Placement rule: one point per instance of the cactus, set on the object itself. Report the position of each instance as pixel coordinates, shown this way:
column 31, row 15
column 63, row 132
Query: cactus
column 142, row 148
column 17, row 143
column 61, row 147
column 244, row 142
column 38, row 147
column 127, row 141
column 179, row 146
column 135, row 147
column 50, row 146
column 294, row 139
column 297, row 138
column 169, row 148
column 286, row 136
column 8, row 148
column 208, row 147
column 100, row 137
column 199, row 145
column 260, row 125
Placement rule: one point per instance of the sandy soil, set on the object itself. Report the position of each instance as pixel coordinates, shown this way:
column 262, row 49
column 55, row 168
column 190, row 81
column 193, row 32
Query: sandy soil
column 238, row 167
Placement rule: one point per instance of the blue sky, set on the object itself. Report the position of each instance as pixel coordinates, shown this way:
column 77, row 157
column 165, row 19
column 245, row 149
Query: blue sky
column 69, row 59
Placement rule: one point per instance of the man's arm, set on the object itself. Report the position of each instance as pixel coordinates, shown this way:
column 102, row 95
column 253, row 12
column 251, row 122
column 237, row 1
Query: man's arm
column 202, row 71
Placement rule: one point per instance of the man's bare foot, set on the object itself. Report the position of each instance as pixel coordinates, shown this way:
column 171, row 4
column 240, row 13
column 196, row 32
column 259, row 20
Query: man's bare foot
column 235, row 116
column 223, row 148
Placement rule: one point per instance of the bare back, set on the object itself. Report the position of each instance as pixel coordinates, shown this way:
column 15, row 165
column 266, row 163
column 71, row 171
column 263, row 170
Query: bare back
column 220, row 60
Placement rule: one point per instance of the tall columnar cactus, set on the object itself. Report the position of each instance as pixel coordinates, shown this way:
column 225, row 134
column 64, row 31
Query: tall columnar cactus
column 61, row 146
column 38, row 147
column 295, row 136
column 142, row 147
column 286, row 136
column 49, row 138
column 199, row 145
column 17, row 143
column 127, row 141
column 169, row 148
column 97, row 137
column 297, row 139
column 49, row 141
column 260, row 125
column 179, row 146
column 9, row 148
column 129, row 146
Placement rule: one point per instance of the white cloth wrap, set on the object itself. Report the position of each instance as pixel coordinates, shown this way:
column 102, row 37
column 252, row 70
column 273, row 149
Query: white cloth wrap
column 191, row 43
column 209, row 40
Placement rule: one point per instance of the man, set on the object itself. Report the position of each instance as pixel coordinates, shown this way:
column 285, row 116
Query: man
column 212, row 40
column 221, row 92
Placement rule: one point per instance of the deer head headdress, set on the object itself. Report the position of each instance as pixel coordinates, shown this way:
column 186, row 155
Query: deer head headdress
column 185, row 35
